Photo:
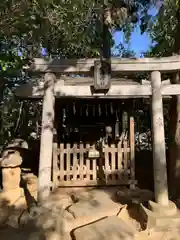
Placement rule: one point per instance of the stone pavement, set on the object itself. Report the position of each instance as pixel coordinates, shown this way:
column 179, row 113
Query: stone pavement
column 86, row 215
column 108, row 228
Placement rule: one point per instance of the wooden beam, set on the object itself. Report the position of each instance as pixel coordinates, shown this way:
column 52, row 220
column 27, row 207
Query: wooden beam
column 132, row 148
column 159, row 149
column 90, row 81
column 119, row 90
column 45, row 162
column 118, row 65
column 115, row 90
column 60, row 90
column 165, row 82
column 124, row 90
column 171, row 89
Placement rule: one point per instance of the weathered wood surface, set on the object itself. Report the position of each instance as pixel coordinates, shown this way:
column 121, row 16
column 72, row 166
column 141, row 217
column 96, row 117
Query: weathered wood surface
column 165, row 82
column 117, row 65
column 55, row 164
column 46, row 147
column 159, row 149
column 76, row 169
column 132, row 148
column 90, row 80
column 118, row 91
column 35, row 87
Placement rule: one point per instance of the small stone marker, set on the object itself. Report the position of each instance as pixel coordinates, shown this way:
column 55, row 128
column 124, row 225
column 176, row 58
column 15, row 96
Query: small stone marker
column 109, row 228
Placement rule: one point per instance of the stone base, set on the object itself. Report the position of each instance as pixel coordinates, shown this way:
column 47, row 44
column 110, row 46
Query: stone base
column 160, row 216
column 12, row 204
column 12, row 196
column 170, row 210
column 11, row 178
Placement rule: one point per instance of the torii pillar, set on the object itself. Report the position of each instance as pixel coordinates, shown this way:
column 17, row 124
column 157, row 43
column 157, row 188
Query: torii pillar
column 162, row 210
column 46, row 145
column 159, row 148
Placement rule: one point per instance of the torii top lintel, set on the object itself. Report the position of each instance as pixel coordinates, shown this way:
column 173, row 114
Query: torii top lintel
column 61, row 66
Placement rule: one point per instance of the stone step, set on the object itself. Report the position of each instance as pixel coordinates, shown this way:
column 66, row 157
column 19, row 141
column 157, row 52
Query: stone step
column 108, row 228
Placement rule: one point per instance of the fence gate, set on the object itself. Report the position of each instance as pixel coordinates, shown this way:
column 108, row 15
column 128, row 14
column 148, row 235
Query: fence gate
column 72, row 165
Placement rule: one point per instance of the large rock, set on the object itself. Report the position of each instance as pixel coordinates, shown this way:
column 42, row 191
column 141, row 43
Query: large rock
column 136, row 195
column 95, row 205
column 109, row 228
column 50, row 221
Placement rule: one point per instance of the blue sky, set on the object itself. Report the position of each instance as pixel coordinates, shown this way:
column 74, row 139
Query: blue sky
column 139, row 43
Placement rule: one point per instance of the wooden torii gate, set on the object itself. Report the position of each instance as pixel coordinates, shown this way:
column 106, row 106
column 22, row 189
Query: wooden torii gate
column 53, row 85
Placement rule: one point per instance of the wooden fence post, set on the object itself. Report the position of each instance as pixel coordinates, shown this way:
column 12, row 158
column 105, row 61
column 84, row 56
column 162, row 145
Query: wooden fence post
column 46, row 147
column 159, row 149
column 132, row 150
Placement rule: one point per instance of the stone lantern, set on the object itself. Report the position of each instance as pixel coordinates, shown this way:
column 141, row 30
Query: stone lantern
column 11, row 171
column 10, row 163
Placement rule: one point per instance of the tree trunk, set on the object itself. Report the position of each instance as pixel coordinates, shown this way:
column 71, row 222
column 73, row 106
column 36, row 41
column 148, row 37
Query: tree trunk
column 174, row 127
column 174, row 147
column 2, row 87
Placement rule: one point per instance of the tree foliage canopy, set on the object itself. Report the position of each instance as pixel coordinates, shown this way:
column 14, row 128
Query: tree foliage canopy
column 67, row 29
column 163, row 30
